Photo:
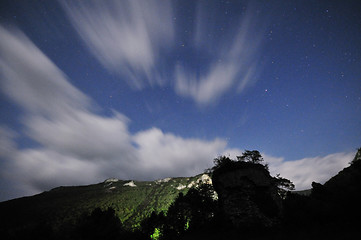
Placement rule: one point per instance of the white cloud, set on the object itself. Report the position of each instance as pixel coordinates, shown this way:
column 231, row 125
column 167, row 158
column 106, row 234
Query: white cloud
column 169, row 155
column 234, row 60
column 304, row 171
column 79, row 146
column 126, row 37
column 232, row 153
column 41, row 169
column 205, row 89
column 31, row 80
column 134, row 38
column 82, row 134
column 7, row 143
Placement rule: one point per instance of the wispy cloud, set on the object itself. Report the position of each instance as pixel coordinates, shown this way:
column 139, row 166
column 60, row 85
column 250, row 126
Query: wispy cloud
column 31, row 80
column 233, row 58
column 77, row 145
column 127, row 37
column 134, row 39
column 7, row 143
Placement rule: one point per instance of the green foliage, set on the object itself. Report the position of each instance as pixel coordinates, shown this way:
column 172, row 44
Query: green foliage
column 156, row 235
column 188, row 212
column 63, row 206
column 99, row 225
column 111, row 210
column 154, row 221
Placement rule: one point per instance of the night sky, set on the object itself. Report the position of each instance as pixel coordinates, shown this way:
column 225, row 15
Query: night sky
column 151, row 89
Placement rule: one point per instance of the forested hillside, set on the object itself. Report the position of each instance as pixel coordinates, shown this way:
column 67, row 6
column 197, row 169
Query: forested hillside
column 131, row 200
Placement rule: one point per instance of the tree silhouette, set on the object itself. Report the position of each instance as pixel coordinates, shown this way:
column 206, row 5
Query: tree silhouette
column 150, row 224
column 251, row 156
column 99, row 225
column 221, row 161
column 187, row 213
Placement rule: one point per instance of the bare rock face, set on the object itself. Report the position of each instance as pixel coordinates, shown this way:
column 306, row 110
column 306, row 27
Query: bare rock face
column 248, row 195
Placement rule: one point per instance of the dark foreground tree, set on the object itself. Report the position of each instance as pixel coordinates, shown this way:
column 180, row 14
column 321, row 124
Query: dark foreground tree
column 99, row 225
column 103, row 224
column 151, row 226
column 251, row 156
column 247, row 158
column 187, row 213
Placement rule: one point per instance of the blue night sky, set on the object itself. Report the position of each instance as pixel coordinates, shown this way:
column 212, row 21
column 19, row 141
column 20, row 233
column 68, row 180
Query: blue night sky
column 152, row 89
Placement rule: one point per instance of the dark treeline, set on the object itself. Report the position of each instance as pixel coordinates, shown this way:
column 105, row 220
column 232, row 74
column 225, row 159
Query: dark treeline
column 244, row 202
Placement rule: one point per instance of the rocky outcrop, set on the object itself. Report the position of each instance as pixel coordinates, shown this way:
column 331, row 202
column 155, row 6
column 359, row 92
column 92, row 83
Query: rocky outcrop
column 341, row 193
column 248, row 195
column 332, row 207
column 130, row 184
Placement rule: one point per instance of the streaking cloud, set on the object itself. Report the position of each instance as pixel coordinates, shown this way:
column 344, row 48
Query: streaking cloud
column 134, row 39
column 76, row 145
column 126, row 37
column 31, row 80
column 233, row 60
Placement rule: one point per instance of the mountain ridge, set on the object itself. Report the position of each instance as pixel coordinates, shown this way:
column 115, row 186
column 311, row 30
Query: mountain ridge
column 132, row 200
column 329, row 207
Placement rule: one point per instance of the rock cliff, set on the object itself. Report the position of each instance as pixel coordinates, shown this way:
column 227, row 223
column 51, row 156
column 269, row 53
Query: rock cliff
column 248, row 195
